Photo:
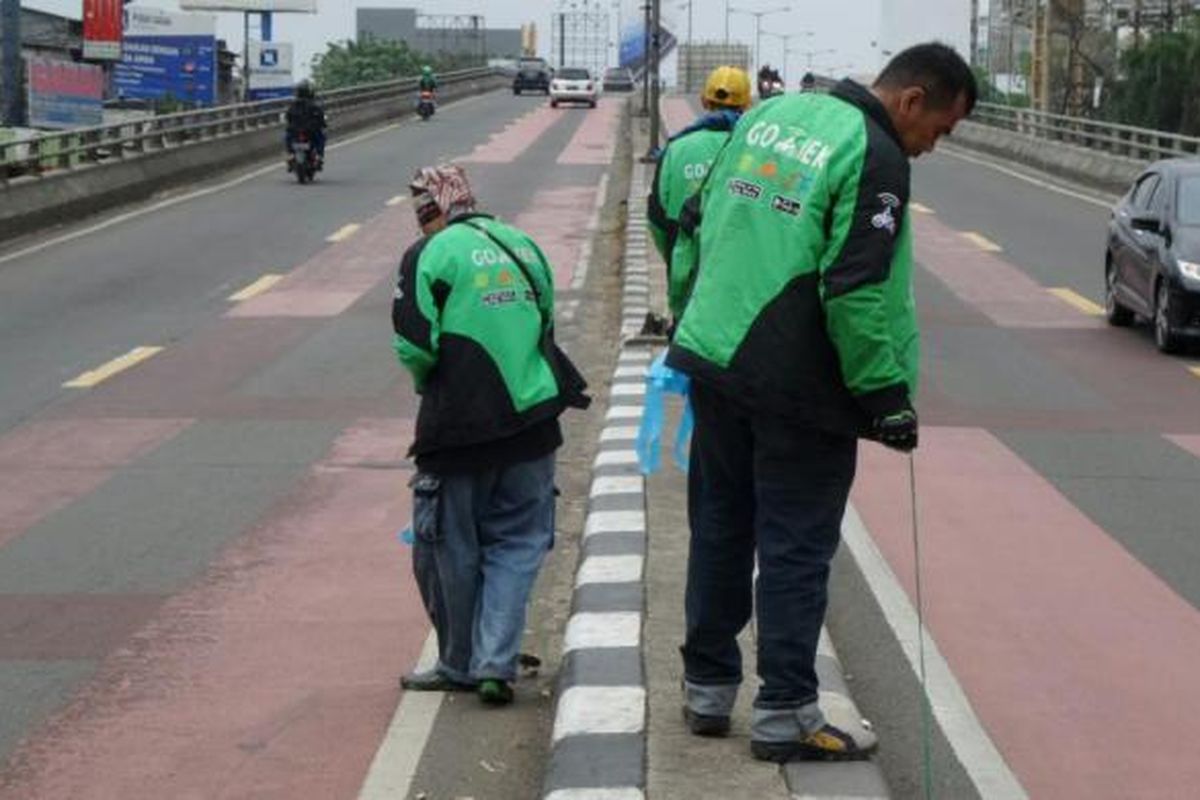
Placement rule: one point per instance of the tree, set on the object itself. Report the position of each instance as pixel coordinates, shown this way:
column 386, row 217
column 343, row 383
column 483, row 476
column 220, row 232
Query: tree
column 1159, row 83
column 373, row 60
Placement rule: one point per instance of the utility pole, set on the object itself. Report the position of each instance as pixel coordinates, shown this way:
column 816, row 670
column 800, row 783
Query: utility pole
column 646, row 60
column 656, row 50
column 726, row 23
column 10, row 70
column 975, row 33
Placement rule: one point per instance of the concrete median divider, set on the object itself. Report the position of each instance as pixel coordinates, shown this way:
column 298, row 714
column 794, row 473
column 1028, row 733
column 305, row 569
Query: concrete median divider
column 29, row 203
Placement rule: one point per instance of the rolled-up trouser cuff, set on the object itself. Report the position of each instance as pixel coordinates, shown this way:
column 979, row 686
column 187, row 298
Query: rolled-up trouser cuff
column 710, row 700
column 785, row 724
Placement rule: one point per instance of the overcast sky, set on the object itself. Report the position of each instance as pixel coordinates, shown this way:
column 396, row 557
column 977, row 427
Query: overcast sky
column 848, row 27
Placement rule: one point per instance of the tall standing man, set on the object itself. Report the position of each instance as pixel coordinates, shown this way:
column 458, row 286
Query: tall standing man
column 800, row 337
column 686, row 160
column 473, row 318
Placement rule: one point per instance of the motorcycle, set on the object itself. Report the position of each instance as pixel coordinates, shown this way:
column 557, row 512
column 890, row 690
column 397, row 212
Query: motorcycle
column 426, row 104
column 304, row 158
column 769, row 89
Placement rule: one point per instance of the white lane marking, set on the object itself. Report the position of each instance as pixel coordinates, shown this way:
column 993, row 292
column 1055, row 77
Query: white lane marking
column 396, row 760
column 600, row 709
column 609, row 569
column 607, row 793
column 1096, row 200
column 982, row 242
column 623, row 412
column 619, row 433
column 614, row 522
column 630, row 372
column 616, row 484
column 343, row 233
column 616, row 458
column 628, row 389
column 220, row 187
column 920, row 208
column 395, row 201
column 627, row 356
column 970, row 742
column 602, row 630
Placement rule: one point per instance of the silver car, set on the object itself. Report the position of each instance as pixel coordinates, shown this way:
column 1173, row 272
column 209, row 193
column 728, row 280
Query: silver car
column 573, row 85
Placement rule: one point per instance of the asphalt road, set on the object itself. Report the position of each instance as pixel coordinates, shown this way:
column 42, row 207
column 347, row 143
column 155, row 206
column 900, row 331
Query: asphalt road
column 183, row 541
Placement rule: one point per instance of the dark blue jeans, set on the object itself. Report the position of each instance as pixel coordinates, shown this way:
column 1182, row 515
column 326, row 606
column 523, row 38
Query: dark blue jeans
column 480, row 541
column 757, row 485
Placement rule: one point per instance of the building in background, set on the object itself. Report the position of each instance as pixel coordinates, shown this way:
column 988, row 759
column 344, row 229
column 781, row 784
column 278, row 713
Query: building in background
column 448, row 34
column 579, row 38
column 696, row 61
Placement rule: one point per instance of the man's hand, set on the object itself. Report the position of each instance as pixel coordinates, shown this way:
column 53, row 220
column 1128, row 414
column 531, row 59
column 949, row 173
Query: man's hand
column 897, row 430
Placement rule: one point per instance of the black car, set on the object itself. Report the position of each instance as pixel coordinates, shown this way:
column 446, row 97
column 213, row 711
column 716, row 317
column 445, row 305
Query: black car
column 618, row 79
column 1152, row 267
column 532, row 73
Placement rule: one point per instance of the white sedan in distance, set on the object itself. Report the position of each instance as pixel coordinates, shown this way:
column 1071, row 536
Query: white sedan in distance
column 573, row 85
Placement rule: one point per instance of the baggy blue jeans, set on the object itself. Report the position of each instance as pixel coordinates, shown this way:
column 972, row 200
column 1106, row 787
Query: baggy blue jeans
column 757, row 484
column 480, row 539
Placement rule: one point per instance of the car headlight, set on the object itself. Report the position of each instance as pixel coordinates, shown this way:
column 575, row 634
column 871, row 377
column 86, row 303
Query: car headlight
column 1190, row 269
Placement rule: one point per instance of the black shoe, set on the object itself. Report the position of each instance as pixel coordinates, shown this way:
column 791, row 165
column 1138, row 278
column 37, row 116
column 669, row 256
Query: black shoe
column 495, row 692
column 291, row 165
column 706, row 724
column 827, row 744
column 433, row 681
column 320, row 164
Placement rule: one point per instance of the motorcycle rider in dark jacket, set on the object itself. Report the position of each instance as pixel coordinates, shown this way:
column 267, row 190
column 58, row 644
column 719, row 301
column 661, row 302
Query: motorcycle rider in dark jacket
column 305, row 115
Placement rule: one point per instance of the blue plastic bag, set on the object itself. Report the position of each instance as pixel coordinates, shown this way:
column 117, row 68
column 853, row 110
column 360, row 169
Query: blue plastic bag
column 660, row 381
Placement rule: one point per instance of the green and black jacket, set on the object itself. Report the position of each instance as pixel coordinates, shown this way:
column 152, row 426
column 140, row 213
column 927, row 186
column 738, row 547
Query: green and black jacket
column 802, row 306
column 679, row 174
column 470, row 329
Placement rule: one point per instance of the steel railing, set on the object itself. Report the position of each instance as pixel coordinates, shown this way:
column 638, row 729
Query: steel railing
column 1143, row 144
column 108, row 143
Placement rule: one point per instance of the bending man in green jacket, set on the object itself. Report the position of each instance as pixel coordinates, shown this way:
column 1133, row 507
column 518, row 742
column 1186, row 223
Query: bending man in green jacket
column 800, row 336
column 473, row 314
column 686, row 160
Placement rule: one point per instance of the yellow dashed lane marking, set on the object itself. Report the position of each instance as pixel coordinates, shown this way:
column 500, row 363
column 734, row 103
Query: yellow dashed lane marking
column 1077, row 300
column 982, row 242
column 105, row 371
column 345, row 232
column 920, row 208
column 397, row 200
column 256, row 288
column 1195, row 371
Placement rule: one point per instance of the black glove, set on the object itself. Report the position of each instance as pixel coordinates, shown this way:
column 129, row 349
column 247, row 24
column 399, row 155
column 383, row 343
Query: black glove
column 897, row 430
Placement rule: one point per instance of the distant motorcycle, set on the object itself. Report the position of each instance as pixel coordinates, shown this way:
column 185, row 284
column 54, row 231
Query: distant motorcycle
column 304, row 158
column 768, row 89
column 426, row 104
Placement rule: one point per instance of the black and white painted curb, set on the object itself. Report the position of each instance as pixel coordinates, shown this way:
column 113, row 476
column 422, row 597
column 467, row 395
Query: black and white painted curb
column 598, row 749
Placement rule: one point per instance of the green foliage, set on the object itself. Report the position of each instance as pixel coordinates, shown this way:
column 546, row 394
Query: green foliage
column 373, row 60
column 1159, row 83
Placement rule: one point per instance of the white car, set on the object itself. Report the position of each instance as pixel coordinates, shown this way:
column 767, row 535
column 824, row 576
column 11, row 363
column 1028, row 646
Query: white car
column 572, row 85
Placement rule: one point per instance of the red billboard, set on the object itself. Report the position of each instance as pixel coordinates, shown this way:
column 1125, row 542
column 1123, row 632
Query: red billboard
column 102, row 29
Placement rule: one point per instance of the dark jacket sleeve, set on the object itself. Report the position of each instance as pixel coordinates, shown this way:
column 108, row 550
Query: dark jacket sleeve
column 415, row 317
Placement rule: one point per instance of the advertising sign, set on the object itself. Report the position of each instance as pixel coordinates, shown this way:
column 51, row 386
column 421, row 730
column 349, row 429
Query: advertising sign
column 102, row 30
column 168, row 54
column 284, row 6
column 63, row 94
column 270, row 70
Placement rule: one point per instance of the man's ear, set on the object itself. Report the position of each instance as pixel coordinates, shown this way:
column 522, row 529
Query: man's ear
column 912, row 99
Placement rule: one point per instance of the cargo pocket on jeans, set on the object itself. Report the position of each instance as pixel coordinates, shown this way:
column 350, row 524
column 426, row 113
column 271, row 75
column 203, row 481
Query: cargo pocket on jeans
column 427, row 490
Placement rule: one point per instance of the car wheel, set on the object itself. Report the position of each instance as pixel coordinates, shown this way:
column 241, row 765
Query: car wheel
column 1165, row 337
column 1117, row 315
column 554, row 104
column 592, row 104
column 517, row 92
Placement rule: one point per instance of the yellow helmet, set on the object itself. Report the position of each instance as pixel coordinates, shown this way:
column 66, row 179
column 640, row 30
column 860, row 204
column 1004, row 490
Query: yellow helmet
column 728, row 87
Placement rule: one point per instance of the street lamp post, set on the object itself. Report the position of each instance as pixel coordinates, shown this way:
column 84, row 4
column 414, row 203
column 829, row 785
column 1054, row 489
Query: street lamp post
column 785, row 39
column 758, row 15
column 811, row 54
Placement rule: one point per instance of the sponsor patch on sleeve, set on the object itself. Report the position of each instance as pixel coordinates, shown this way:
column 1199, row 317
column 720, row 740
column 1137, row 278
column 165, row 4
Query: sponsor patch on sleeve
column 744, row 188
column 787, row 205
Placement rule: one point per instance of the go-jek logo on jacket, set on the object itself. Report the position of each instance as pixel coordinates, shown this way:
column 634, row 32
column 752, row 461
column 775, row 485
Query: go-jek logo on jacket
column 885, row 220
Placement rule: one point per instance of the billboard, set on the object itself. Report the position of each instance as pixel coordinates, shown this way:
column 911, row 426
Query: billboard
column 64, row 94
column 168, row 54
column 283, row 6
column 102, row 29
column 270, row 70
column 633, row 54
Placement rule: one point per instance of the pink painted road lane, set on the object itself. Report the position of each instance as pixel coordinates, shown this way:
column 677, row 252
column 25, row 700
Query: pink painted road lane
column 274, row 676
column 557, row 220
column 1189, row 442
column 518, row 136
column 335, row 278
column 596, row 138
column 1079, row 661
column 677, row 113
column 44, row 465
column 989, row 283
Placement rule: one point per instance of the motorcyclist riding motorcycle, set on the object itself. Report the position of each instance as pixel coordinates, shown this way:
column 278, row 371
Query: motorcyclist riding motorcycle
column 305, row 115
column 428, row 81
column 770, row 82
column 426, row 92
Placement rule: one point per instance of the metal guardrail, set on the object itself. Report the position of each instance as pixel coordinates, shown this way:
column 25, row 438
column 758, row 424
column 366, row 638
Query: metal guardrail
column 1143, row 144
column 109, row 143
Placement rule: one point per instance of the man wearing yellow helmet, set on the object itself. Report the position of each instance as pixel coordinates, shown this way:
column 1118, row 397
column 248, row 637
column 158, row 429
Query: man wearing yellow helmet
column 685, row 161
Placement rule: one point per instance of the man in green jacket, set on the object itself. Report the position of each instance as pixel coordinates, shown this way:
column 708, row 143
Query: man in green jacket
column 800, row 336
column 686, row 160
column 473, row 319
